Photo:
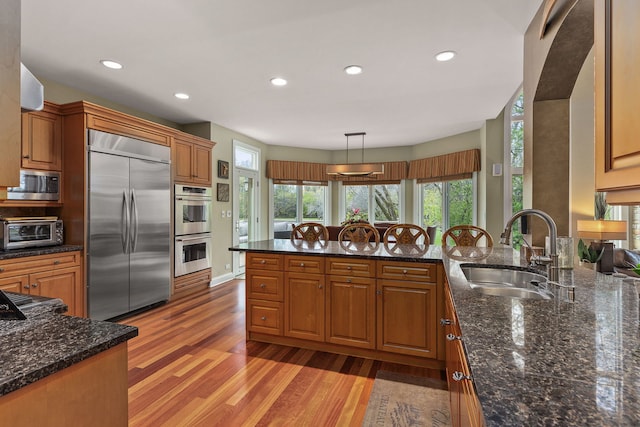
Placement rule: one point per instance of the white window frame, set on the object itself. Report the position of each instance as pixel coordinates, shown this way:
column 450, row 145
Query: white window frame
column 299, row 207
column 508, row 170
column 418, row 202
column 371, row 201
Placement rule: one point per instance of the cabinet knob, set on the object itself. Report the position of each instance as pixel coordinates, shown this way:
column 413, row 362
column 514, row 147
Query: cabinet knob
column 264, row 261
column 445, row 322
column 348, row 280
column 56, row 262
column 25, row 157
column 263, row 318
column 35, row 285
column 319, row 286
column 27, row 287
column 452, row 337
column 404, row 271
column 349, row 267
column 378, row 292
column 262, row 285
column 459, row 376
column 1, row 269
column 302, row 264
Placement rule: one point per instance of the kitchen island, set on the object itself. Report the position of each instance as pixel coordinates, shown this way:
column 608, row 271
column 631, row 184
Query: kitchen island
column 60, row 370
column 532, row 362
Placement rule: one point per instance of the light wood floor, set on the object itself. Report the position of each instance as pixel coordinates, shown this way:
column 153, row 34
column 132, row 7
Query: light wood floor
column 192, row 366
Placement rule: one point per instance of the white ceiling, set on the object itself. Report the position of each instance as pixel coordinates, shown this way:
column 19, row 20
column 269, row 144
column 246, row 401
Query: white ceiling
column 223, row 53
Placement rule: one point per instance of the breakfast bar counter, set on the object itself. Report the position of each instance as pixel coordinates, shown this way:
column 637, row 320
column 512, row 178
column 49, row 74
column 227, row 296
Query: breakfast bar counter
column 562, row 361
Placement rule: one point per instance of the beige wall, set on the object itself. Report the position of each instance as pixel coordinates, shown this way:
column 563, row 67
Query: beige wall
column 491, row 188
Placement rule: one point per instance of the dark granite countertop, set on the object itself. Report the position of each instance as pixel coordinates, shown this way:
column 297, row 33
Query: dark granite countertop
column 411, row 253
column 537, row 362
column 45, row 250
column 47, row 342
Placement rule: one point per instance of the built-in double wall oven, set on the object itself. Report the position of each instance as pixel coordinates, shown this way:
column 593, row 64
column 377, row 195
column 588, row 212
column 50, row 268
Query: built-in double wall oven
column 193, row 228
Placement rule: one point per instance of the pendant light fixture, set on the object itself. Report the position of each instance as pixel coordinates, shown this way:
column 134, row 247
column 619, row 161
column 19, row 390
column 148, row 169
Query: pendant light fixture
column 356, row 169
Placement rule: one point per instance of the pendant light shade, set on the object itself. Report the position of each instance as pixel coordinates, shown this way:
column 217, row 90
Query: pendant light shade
column 355, row 169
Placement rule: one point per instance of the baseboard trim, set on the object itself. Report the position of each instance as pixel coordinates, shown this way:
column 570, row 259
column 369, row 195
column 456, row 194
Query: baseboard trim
column 218, row 280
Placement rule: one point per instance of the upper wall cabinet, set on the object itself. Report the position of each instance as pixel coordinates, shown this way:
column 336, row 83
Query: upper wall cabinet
column 617, row 61
column 42, row 139
column 192, row 159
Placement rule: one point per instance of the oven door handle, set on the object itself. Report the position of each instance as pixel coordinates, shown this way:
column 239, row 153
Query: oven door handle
column 188, row 239
column 124, row 222
column 194, row 199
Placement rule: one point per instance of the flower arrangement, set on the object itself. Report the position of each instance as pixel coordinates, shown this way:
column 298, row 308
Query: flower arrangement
column 355, row 215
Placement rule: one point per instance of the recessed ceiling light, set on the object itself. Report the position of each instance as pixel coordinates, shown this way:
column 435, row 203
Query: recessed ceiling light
column 278, row 81
column 353, row 70
column 111, row 64
column 181, row 95
column 447, row 55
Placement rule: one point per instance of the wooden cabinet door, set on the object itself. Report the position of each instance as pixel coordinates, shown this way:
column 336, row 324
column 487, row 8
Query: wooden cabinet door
column 201, row 164
column 351, row 316
column 42, row 141
column 64, row 284
column 407, row 318
column 616, row 88
column 18, row 284
column 304, row 300
column 183, row 160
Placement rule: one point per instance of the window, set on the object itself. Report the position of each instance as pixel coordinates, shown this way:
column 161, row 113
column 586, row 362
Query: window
column 294, row 203
column 447, row 203
column 246, row 157
column 380, row 202
column 514, row 162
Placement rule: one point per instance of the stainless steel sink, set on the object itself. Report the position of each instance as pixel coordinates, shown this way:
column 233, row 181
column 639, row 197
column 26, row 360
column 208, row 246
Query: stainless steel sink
column 506, row 282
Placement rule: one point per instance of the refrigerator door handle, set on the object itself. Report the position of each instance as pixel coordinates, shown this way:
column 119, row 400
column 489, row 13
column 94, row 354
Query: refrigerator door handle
column 134, row 221
column 124, row 223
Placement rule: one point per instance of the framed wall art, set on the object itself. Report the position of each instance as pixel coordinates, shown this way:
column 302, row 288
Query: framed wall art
column 223, row 169
column 223, row 192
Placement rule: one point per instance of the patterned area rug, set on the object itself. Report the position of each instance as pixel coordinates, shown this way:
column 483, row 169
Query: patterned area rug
column 401, row 400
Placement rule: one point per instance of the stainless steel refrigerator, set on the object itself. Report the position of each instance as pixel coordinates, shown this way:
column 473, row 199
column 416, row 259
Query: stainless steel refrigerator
column 129, row 265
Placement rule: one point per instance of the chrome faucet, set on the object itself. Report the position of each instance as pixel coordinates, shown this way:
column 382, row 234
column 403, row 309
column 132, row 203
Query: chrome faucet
column 552, row 272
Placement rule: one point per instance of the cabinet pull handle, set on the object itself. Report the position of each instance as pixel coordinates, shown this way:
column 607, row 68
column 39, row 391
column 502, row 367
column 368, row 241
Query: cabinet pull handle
column 459, row 376
column 445, row 322
column 262, row 285
column 25, row 157
column 452, row 337
column 263, row 318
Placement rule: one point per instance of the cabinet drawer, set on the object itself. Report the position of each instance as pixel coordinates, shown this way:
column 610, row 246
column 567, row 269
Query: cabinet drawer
column 304, row 264
column 264, row 317
column 38, row 263
column 414, row 271
column 267, row 285
column 264, row 261
column 351, row 267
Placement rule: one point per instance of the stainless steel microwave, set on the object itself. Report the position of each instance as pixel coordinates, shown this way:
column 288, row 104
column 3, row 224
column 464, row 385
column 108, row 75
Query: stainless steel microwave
column 18, row 233
column 36, row 185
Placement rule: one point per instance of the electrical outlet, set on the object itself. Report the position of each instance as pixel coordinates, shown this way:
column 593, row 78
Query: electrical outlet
column 227, row 266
